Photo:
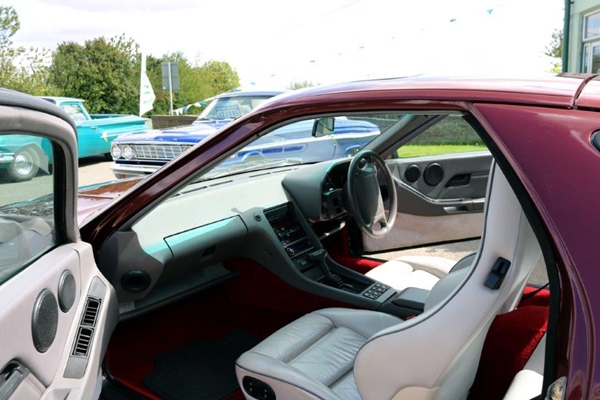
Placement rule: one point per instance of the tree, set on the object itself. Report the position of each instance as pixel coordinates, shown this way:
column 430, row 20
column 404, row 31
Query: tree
column 196, row 82
column 555, row 47
column 9, row 25
column 300, row 85
column 21, row 69
column 104, row 72
column 220, row 76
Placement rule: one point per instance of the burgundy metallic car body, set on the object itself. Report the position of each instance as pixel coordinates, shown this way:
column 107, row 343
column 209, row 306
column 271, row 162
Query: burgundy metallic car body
column 540, row 128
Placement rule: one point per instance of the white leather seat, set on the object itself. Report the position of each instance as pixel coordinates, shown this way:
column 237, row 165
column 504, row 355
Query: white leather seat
column 415, row 271
column 354, row 354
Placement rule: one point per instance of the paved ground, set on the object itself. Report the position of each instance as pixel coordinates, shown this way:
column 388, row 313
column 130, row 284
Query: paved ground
column 94, row 170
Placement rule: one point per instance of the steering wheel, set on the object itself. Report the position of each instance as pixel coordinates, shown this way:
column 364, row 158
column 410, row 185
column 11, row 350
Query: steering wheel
column 364, row 194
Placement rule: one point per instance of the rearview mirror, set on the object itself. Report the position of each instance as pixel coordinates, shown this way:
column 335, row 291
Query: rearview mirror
column 323, row 126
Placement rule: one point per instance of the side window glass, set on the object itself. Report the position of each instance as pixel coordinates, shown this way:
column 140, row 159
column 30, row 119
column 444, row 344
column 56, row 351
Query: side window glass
column 451, row 135
column 26, row 226
column 74, row 112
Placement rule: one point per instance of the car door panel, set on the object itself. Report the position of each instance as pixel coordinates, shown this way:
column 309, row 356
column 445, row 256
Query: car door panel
column 434, row 207
column 47, row 274
column 28, row 324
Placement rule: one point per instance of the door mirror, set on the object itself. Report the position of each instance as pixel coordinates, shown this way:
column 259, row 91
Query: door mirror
column 323, row 127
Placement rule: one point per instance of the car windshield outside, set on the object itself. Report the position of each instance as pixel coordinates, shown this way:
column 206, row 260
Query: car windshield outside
column 231, row 107
column 305, row 142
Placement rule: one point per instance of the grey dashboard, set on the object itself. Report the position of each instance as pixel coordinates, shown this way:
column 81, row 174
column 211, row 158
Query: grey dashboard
column 181, row 244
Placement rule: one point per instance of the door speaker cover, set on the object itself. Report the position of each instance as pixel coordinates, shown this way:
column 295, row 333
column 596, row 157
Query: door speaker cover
column 44, row 321
column 433, row 175
column 67, row 289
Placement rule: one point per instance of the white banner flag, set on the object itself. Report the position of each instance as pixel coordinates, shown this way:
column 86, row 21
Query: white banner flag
column 147, row 96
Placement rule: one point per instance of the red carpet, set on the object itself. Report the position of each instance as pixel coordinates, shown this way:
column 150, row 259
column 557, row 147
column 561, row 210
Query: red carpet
column 257, row 302
column 511, row 340
column 338, row 248
column 260, row 303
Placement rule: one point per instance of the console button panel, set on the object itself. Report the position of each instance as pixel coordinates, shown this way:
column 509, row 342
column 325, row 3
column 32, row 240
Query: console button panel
column 291, row 235
column 375, row 291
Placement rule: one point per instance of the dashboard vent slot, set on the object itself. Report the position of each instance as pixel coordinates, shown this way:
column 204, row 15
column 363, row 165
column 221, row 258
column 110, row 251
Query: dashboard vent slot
column 91, row 312
column 279, row 215
column 82, row 344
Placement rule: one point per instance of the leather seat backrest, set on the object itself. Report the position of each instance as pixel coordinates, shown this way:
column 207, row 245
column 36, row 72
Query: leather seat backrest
column 436, row 354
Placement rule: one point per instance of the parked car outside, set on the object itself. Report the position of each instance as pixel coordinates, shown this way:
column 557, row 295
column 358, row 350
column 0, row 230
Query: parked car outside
column 142, row 154
column 268, row 270
column 21, row 159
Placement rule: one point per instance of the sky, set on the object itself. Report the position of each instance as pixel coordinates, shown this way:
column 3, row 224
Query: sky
column 272, row 43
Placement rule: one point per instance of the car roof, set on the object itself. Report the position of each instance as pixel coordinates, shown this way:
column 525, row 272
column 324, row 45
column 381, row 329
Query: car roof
column 545, row 90
column 59, row 100
column 250, row 93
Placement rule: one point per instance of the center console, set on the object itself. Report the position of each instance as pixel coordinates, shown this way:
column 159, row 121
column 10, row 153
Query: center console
column 292, row 237
column 312, row 260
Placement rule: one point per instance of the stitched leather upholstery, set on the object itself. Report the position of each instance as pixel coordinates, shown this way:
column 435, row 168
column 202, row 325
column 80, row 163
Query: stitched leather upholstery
column 354, row 354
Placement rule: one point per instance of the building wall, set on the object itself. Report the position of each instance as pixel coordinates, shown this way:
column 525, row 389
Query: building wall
column 579, row 9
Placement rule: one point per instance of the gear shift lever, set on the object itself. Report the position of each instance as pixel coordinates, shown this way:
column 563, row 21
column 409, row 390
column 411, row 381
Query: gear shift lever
column 319, row 256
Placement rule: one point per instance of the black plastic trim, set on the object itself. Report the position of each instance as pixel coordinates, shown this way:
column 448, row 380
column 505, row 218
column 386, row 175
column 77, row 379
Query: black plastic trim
column 595, row 139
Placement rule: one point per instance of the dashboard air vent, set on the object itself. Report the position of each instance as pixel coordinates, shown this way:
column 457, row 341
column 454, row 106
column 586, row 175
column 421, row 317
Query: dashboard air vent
column 91, row 312
column 279, row 215
column 82, row 344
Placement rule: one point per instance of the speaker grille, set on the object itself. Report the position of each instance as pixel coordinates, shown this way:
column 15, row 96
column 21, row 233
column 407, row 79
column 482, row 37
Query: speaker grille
column 44, row 321
column 67, row 289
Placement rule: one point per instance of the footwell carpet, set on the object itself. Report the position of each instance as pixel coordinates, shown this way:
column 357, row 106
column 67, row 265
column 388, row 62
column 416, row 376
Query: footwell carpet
column 200, row 370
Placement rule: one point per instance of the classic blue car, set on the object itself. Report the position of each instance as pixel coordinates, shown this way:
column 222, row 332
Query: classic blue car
column 142, row 154
column 21, row 160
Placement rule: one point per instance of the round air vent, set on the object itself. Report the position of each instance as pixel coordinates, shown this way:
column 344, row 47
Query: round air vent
column 44, row 321
column 412, row 173
column 433, row 175
column 67, row 290
column 135, row 281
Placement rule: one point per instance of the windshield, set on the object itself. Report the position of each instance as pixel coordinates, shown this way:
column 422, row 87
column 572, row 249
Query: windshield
column 231, row 107
column 295, row 143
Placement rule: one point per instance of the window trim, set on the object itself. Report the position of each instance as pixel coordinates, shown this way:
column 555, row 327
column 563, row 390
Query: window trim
column 585, row 39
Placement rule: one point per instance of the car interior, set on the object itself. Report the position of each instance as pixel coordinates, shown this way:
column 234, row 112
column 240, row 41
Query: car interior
column 280, row 293
column 281, row 281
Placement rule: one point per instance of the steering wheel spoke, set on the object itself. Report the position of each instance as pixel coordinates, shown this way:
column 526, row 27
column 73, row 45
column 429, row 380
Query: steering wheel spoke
column 364, row 193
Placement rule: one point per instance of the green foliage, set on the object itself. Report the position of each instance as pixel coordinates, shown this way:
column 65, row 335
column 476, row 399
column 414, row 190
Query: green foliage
column 103, row 72
column 196, row 82
column 300, row 85
column 421, row 150
column 219, row 75
column 555, row 47
column 21, row 69
column 9, row 25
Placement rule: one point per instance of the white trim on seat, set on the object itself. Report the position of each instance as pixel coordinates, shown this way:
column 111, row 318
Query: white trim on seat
column 528, row 382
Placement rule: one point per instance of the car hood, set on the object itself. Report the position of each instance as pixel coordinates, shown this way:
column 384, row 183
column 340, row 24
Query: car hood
column 89, row 200
column 194, row 133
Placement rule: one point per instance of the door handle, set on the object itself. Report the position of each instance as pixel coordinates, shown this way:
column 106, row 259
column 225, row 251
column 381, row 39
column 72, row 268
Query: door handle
column 465, row 206
column 11, row 377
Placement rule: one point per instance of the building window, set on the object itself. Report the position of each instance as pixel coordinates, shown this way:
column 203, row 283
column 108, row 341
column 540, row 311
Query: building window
column 591, row 26
column 590, row 57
